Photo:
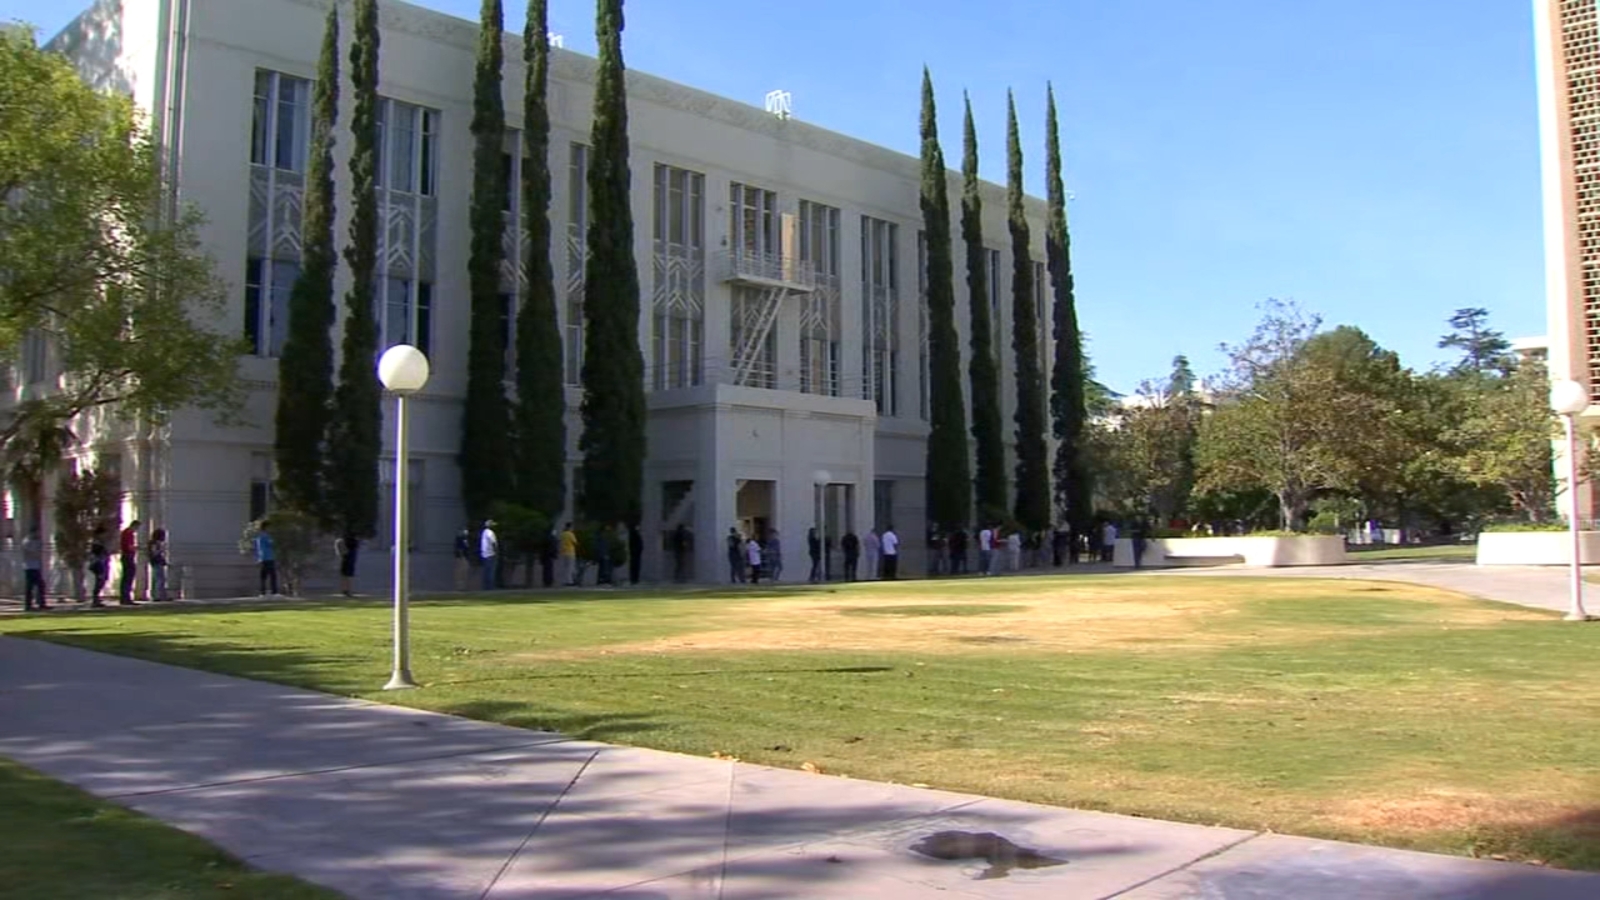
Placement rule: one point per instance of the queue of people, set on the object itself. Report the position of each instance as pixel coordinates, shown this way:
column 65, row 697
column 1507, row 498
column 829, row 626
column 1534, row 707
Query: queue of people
column 132, row 551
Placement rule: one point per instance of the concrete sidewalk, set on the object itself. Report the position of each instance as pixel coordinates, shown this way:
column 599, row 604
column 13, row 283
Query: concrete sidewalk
column 1540, row 587
column 384, row 803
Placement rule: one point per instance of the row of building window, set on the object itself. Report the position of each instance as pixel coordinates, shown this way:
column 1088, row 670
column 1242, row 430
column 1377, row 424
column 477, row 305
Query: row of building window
column 407, row 163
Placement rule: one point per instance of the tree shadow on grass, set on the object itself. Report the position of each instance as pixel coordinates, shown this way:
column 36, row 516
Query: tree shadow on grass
column 658, row 675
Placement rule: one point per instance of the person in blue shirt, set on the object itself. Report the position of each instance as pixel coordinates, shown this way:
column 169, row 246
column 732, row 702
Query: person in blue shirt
column 266, row 558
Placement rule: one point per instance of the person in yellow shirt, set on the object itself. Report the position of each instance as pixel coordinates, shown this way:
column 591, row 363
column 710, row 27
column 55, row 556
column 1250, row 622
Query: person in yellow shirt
column 569, row 556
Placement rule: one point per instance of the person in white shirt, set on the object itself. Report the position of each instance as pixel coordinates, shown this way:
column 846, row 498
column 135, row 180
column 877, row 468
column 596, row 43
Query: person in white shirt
column 489, row 551
column 1108, row 542
column 1014, row 550
column 752, row 552
column 870, row 548
column 986, row 551
column 890, row 544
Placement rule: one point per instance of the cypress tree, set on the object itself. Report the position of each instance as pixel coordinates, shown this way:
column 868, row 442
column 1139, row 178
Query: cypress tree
column 305, row 368
column 486, row 422
column 541, row 396
column 990, row 480
column 1033, row 454
column 613, row 441
column 355, row 432
column 949, row 471
column 1067, row 401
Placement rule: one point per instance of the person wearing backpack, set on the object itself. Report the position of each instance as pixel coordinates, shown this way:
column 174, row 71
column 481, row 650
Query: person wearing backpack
column 156, row 554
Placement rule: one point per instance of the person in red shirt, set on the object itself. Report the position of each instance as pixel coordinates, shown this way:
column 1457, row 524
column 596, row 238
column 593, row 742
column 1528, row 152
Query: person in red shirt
column 129, row 546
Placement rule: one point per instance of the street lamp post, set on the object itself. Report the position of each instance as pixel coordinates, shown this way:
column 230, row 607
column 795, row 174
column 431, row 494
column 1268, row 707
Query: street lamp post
column 1567, row 400
column 822, row 478
column 403, row 369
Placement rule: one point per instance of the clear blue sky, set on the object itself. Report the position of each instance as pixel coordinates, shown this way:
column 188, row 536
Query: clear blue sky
column 1375, row 160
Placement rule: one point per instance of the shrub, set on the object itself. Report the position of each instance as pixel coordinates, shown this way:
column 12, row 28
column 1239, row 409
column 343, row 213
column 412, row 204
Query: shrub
column 1524, row 526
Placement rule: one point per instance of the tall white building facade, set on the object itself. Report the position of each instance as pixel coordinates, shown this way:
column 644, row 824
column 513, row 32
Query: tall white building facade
column 1567, row 51
column 783, row 319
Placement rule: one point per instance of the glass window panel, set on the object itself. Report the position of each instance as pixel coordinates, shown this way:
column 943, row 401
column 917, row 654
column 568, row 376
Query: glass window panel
column 252, row 305
column 284, row 275
column 429, row 160
column 397, row 316
column 424, row 340
column 403, row 147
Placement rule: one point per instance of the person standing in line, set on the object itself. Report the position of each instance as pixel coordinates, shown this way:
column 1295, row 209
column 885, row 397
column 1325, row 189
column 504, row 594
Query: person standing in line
column 99, row 565
column 814, row 551
column 489, row 552
column 156, row 553
column 958, row 552
column 851, row 545
column 752, row 554
column 33, row 572
column 635, row 554
column 1014, row 550
column 680, row 553
column 1108, row 542
column 735, row 557
column 347, row 548
column 772, row 555
column 569, row 556
column 1136, row 531
column 549, row 550
column 986, row 552
column 267, row 561
column 602, row 556
column 871, row 548
column 128, row 553
column 890, row 545
column 464, row 558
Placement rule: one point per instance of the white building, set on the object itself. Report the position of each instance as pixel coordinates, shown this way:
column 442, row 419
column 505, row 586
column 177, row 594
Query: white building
column 781, row 321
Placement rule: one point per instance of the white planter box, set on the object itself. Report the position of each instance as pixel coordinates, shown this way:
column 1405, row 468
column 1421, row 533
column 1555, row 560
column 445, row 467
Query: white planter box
column 1535, row 548
column 1262, row 552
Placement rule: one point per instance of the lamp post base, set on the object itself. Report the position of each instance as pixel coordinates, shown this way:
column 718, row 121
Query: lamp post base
column 1578, row 617
column 401, row 680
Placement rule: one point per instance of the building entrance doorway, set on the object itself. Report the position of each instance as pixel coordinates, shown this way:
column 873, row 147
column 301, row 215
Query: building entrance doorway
column 755, row 507
column 833, row 515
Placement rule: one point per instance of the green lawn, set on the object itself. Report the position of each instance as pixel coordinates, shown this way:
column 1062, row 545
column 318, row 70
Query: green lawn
column 1444, row 552
column 59, row 842
column 1367, row 711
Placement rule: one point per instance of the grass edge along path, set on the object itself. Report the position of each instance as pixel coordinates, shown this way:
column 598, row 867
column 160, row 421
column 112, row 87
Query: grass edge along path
column 59, row 842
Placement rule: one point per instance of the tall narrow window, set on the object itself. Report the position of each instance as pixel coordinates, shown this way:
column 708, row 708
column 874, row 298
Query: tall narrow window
column 280, row 129
column 407, row 313
column 261, row 499
column 577, row 255
column 678, row 302
column 819, row 311
column 35, row 356
column 267, row 286
column 880, row 307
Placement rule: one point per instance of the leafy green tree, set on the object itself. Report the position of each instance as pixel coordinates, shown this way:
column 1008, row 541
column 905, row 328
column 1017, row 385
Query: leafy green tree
column 98, row 260
column 982, row 368
column 32, row 454
column 305, row 368
column 1484, row 351
column 949, row 471
column 1297, row 415
column 1502, row 442
column 541, row 409
column 613, row 440
column 1033, row 453
column 355, row 431
column 1072, row 383
column 486, row 422
column 1146, row 452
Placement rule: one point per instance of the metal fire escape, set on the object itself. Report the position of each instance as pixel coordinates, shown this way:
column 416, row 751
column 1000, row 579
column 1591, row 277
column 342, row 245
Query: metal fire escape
column 770, row 278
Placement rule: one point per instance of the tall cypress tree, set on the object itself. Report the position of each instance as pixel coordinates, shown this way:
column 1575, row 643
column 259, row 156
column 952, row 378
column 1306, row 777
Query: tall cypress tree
column 355, row 432
column 541, row 409
column 1033, row 453
column 305, row 368
column 486, row 422
column 1067, row 402
column 990, row 480
column 949, row 471
column 613, row 441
